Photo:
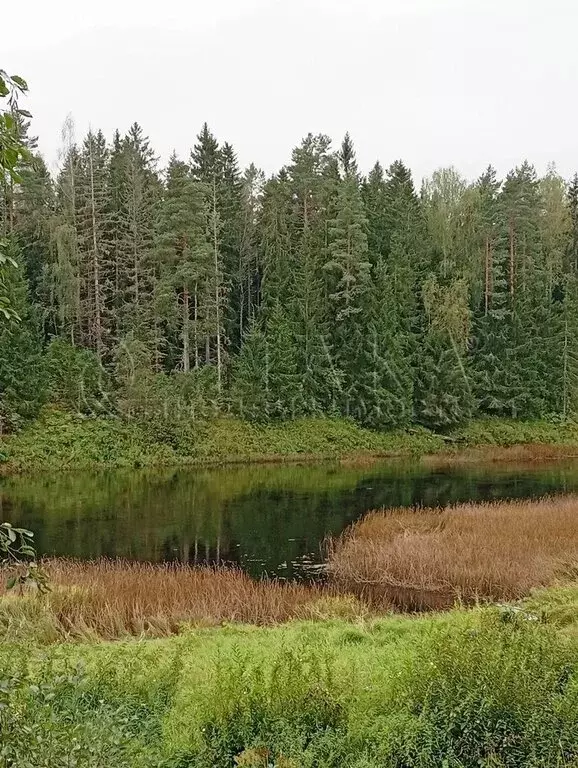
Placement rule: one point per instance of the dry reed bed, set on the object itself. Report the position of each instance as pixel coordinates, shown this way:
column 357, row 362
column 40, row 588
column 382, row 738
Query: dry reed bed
column 115, row 598
column 429, row 558
column 523, row 454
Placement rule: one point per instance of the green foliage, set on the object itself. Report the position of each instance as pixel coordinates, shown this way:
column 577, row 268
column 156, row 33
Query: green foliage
column 62, row 440
column 286, row 708
column 501, row 693
column 22, row 382
column 316, row 292
column 492, row 687
column 74, row 378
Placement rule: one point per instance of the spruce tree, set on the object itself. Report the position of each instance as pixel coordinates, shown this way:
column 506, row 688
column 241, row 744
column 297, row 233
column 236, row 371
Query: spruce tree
column 443, row 390
column 573, row 213
column 22, row 380
column 139, row 193
column 92, row 229
column 184, row 255
column 207, row 169
column 285, row 389
column 250, row 380
column 375, row 202
column 250, row 267
column 349, row 269
column 311, row 182
column 385, row 375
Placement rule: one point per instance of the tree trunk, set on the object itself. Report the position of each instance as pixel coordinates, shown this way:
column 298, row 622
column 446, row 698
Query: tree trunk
column 95, row 262
column 217, row 285
column 195, row 336
column 512, row 259
column 186, row 352
column 487, row 280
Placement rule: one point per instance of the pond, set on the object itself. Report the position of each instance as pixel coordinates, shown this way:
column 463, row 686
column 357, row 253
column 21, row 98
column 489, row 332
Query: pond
column 269, row 519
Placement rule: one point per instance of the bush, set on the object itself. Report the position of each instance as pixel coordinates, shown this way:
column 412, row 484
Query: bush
column 256, row 715
column 75, row 378
column 502, row 694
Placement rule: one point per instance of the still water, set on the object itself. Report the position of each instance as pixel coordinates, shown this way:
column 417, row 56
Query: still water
column 267, row 519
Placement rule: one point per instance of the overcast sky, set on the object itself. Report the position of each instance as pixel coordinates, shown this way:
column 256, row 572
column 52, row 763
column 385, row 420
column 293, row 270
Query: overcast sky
column 434, row 82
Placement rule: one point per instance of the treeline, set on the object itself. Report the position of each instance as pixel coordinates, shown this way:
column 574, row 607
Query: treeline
column 179, row 292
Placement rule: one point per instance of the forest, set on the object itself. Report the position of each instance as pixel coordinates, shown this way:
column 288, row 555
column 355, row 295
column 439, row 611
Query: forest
column 197, row 289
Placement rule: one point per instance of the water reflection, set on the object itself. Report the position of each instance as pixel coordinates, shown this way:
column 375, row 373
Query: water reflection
column 267, row 519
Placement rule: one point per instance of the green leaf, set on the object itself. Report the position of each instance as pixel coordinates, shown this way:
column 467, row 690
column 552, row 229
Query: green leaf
column 20, row 82
column 11, row 583
column 28, row 551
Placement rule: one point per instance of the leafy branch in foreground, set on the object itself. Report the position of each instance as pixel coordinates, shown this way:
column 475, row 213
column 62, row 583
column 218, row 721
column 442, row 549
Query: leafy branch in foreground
column 13, row 153
column 18, row 558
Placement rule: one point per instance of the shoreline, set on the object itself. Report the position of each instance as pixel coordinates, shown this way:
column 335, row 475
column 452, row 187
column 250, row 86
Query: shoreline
column 61, row 442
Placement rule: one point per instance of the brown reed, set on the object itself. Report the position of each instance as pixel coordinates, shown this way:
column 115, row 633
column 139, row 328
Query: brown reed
column 431, row 558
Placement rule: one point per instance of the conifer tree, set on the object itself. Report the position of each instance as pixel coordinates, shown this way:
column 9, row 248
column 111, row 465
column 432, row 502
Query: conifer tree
column 139, row 192
column 443, row 391
column 250, row 262
column 207, row 168
column 349, row 270
column 22, row 381
column 250, row 387
column 375, row 202
column 91, row 224
column 385, row 375
column 185, row 261
column 573, row 213
column 311, row 182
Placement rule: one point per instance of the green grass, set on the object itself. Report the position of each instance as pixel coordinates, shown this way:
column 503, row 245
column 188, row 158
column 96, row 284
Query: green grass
column 64, row 441
column 467, row 688
column 510, row 432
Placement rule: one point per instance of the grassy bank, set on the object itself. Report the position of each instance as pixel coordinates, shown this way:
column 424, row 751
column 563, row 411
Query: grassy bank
column 480, row 688
column 59, row 440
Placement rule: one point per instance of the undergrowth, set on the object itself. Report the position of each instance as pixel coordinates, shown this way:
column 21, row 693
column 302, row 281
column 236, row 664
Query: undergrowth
column 489, row 687
column 58, row 439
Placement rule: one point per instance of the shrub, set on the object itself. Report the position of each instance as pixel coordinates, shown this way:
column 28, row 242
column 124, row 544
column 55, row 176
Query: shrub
column 75, row 378
column 276, row 713
column 502, row 694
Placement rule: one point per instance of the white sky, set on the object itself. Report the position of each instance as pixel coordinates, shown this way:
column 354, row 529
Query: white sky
column 435, row 82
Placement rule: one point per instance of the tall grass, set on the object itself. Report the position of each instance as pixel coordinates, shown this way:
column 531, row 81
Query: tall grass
column 109, row 599
column 430, row 558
